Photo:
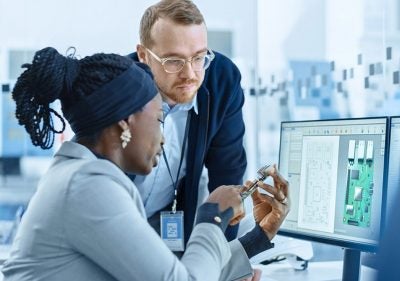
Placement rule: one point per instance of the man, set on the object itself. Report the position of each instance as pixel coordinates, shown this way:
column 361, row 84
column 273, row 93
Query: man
column 203, row 102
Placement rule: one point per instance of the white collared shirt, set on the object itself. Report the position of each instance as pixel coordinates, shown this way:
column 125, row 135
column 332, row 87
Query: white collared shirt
column 156, row 189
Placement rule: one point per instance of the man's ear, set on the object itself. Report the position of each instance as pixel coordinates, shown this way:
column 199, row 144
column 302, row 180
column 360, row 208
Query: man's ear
column 141, row 52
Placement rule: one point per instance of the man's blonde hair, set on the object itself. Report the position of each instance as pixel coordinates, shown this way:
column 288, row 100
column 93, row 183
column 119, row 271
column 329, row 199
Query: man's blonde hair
column 179, row 11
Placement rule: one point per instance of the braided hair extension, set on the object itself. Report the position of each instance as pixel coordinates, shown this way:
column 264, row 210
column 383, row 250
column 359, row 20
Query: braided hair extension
column 53, row 76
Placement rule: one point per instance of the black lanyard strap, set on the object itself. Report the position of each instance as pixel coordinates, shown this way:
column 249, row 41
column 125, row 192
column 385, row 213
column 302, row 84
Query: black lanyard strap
column 175, row 183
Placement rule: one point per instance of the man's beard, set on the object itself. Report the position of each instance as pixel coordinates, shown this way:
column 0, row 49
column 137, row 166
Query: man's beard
column 179, row 97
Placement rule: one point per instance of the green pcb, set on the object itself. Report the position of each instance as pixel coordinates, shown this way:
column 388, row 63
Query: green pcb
column 359, row 193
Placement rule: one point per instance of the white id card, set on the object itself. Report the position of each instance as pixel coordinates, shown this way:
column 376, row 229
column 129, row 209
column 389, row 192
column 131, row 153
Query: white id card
column 172, row 230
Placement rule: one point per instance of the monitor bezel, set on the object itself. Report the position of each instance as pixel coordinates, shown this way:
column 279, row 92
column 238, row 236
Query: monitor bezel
column 349, row 244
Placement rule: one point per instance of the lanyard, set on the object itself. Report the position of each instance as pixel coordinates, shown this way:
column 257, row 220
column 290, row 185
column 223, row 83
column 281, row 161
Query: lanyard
column 175, row 183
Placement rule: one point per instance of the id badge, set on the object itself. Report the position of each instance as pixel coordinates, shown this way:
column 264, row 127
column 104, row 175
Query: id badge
column 172, row 230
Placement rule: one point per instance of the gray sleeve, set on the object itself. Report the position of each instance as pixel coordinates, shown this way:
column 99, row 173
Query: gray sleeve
column 239, row 266
column 103, row 223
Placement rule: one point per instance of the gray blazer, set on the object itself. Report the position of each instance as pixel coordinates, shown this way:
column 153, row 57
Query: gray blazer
column 86, row 221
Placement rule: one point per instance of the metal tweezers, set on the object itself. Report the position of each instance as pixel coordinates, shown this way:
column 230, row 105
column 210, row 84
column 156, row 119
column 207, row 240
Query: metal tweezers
column 262, row 175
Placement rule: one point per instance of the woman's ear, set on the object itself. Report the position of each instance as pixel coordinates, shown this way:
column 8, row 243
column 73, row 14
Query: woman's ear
column 126, row 134
column 125, row 124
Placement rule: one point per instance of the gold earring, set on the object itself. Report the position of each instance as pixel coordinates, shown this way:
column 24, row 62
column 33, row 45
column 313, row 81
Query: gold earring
column 125, row 137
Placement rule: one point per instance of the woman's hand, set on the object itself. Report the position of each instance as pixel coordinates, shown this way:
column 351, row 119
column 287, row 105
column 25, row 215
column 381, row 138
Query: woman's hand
column 269, row 212
column 228, row 196
column 256, row 275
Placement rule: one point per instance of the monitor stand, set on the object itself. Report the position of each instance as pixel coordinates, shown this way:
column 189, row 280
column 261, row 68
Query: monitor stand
column 351, row 265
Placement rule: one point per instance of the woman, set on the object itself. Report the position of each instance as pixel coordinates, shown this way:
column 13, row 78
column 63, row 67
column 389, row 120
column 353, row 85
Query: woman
column 86, row 221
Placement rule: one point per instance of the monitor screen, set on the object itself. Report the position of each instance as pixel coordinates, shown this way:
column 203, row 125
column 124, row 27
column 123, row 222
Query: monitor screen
column 336, row 171
column 394, row 161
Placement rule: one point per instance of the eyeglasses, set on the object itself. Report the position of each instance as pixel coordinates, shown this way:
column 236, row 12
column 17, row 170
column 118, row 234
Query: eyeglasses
column 175, row 65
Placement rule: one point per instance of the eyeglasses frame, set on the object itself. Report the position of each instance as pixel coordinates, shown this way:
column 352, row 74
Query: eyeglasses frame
column 162, row 61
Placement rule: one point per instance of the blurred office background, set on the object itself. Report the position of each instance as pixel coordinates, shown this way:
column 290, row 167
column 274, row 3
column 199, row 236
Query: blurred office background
column 300, row 59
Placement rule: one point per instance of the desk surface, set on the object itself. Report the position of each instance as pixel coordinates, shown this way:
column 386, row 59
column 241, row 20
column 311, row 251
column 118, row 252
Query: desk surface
column 316, row 271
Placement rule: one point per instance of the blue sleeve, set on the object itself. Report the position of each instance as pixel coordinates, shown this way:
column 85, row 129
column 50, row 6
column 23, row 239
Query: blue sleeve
column 255, row 241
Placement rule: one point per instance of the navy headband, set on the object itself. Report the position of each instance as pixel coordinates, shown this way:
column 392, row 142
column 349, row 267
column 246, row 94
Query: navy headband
column 113, row 102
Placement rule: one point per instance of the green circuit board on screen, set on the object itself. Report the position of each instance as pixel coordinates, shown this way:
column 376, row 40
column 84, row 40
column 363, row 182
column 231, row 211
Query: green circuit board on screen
column 359, row 191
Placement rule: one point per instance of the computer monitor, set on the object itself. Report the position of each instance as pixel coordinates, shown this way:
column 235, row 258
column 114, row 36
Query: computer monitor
column 393, row 184
column 337, row 174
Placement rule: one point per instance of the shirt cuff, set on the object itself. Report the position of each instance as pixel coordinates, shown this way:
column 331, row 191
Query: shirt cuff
column 209, row 212
column 255, row 241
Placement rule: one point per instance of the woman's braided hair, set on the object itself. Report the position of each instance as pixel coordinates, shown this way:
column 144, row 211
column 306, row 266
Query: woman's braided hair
column 53, row 76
